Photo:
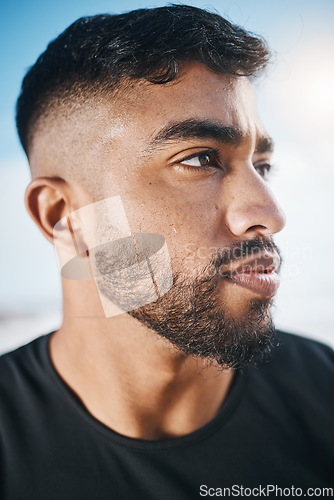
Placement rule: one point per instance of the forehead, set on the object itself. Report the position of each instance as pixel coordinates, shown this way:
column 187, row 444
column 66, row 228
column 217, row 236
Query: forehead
column 197, row 93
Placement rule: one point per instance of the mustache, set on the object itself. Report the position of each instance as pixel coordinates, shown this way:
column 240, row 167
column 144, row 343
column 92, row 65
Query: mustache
column 240, row 250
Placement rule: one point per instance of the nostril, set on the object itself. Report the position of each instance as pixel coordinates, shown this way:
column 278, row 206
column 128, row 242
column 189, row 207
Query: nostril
column 256, row 228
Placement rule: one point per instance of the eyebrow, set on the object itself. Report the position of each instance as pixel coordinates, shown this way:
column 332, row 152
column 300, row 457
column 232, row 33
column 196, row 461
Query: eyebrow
column 206, row 129
column 197, row 129
column 265, row 144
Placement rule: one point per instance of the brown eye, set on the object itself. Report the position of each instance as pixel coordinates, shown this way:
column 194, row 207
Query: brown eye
column 263, row 170
column 199, row 160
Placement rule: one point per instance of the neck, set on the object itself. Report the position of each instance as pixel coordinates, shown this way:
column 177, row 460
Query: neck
column 134, row 381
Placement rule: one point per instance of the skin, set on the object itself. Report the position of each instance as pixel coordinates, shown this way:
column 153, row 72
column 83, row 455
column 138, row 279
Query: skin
column 129, row 378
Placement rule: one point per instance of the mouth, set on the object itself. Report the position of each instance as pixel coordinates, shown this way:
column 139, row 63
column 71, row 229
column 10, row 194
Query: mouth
column 259, row 275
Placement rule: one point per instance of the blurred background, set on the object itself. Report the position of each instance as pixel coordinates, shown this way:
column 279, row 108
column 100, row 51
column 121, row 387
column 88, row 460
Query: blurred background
column 296, row 100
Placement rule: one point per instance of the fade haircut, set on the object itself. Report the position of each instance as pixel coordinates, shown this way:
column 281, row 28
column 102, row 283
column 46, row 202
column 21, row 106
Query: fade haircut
column 102, row 54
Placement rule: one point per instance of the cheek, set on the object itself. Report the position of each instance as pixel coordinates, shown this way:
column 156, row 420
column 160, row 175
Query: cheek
column 188, row 227
column 184, row 213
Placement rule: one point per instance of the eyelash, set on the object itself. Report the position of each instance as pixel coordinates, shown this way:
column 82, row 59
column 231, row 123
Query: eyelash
column 268, row 169
column 213, row 154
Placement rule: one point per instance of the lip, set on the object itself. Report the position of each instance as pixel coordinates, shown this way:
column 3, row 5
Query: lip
column 259, row 274
column 260, row 262
column 261, row 283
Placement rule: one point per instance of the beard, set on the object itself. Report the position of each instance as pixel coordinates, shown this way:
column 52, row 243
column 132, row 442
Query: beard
column 192, row 315
column 192, row 319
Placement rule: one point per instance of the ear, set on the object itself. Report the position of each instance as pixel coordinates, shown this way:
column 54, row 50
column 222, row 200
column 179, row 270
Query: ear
column 47, row 200
column 53, row 205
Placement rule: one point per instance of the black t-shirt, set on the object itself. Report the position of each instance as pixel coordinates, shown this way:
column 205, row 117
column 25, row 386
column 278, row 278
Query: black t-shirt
column 275, row 428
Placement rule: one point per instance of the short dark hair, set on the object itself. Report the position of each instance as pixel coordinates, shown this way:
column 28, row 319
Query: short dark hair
column 100, row 53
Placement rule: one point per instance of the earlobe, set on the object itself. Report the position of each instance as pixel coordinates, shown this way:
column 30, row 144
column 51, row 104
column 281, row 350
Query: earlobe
column 47, row 201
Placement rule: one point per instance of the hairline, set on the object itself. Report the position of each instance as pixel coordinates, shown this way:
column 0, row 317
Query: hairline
column 81, row 94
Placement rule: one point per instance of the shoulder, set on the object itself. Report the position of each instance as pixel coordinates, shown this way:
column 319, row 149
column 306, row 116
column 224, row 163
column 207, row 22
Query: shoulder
column 20, row 367
column 291, row 394
column 293, row 339
column 298, row 369
column 303, row 354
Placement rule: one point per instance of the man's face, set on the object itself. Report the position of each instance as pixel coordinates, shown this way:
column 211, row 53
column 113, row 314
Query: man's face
column 190, row 161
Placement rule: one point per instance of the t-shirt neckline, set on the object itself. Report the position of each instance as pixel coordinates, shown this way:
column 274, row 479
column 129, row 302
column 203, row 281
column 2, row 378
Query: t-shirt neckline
column 229, row 405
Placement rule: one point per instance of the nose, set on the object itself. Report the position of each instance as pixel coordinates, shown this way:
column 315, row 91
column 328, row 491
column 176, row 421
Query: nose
column 252, row 209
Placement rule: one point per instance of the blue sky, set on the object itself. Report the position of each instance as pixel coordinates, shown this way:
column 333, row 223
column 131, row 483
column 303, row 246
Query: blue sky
column 297, row 105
